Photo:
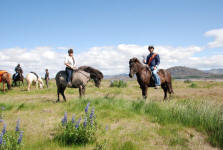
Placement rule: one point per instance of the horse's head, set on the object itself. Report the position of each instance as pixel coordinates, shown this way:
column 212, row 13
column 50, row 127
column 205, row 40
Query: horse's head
column 133, row 66
column 95, row 74
column 97, row 79
column 41, row 84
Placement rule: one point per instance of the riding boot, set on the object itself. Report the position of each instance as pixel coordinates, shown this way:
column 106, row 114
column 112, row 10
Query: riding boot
column 69, row 85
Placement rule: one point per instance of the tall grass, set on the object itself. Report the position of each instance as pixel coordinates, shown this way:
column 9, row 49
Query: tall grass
column 201, row 115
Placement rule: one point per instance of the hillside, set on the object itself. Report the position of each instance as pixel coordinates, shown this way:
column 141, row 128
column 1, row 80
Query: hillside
column 181, row 72
column 215, row 71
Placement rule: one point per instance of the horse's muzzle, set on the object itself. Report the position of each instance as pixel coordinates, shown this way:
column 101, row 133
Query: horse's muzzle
column 130, row 75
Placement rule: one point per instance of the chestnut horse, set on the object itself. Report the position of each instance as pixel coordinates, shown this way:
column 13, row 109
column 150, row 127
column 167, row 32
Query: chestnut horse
column 5, row 77
column 145, row 78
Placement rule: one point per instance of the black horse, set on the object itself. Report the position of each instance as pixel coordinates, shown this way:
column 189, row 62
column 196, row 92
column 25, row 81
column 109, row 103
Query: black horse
column 18, row 77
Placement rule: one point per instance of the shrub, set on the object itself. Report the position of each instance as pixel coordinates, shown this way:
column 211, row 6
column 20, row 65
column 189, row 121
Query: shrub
column 193, row 85
column 118, row 83
column 187, row 81
column 77, row 133
column 11, row 140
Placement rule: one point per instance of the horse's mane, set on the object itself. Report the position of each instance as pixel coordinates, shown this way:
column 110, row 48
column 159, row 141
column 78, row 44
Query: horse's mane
column 135, row 60
column 92, row 71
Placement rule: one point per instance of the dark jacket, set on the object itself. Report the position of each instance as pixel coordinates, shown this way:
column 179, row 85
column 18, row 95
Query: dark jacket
column 47, row 75
column 154, row 62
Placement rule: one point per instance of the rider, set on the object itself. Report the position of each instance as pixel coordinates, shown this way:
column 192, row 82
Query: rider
column 18, row 69
column 47, row 77
column 153, row 61
column 70, row 66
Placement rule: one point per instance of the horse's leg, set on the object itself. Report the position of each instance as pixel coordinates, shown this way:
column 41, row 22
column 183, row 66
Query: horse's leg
column 28, row 87
column 3, row 86
column 164, row 87
column 80, row 91
column 58, row 95
column 36, row 84
column 62, row 92
column 144, row 92
column 84, row 89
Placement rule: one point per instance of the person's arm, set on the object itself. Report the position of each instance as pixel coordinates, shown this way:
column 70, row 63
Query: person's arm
column 157, row 60
column 66, row 63
column 147, row 60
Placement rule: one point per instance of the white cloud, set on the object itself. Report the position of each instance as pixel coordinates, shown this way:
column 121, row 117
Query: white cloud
column 109, row 59
column 218, row 35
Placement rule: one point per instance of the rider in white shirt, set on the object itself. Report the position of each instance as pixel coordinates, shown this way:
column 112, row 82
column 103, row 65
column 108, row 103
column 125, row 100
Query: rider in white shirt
column 70, row 66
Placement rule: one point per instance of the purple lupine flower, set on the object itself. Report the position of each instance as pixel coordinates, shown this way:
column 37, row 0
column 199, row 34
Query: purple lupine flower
column 85, row 122
column 73, row 118
column 1, row 138
column 64, row 120
column 17, row 125
column 20, row 137
column 78, row 122
column 92, row 113
column 1, row 120
column 86, row 108
column 4, row 129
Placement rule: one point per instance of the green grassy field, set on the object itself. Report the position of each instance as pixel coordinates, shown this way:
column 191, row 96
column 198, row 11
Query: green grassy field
column 191, row 119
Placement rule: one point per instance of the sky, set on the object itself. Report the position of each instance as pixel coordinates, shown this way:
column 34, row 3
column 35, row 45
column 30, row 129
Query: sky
column 105, row 34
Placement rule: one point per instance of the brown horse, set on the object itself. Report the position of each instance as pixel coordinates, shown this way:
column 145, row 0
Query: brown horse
column 145, row 78
column 5, row 77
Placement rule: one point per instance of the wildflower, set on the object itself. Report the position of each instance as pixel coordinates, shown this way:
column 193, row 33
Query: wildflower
column 86, row 108
column 64, row 120
column 92, row 113
column 73, row 118
column 4, row 129
column 78, row 122
column 1, row 138
column 85, row 122
column 17, row 125
column 20, row 137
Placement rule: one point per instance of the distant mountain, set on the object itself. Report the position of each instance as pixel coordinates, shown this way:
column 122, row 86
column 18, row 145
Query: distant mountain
column 215, row 71
column 181, row 72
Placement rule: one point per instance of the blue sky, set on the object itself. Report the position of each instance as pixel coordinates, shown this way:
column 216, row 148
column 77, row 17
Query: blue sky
column 86, row 23
column 83, row 24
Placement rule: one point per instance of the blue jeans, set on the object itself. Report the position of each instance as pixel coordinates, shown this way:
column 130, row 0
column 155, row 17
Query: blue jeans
column 156, row 76
column 69, row 74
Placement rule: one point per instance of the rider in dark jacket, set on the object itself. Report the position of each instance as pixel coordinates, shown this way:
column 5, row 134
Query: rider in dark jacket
column 153, row 61
column 18, row 69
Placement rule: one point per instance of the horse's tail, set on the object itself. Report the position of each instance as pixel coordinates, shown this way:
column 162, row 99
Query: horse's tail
column 170, row 85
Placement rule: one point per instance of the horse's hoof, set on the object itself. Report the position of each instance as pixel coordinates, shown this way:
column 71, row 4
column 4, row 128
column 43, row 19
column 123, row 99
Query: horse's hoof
column 57, row 101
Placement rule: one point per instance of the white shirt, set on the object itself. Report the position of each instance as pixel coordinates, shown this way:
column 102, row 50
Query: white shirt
column 70, row 60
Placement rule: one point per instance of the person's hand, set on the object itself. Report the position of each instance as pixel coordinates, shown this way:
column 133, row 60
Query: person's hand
column 154, row 68
column 144, row 60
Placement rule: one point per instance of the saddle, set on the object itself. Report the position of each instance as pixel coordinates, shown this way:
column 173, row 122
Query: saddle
column 1, row 73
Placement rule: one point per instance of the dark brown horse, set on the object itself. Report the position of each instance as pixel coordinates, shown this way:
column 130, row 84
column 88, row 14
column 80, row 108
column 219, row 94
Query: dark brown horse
column 145, row 79
column 5, row 77
column 19, row 78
